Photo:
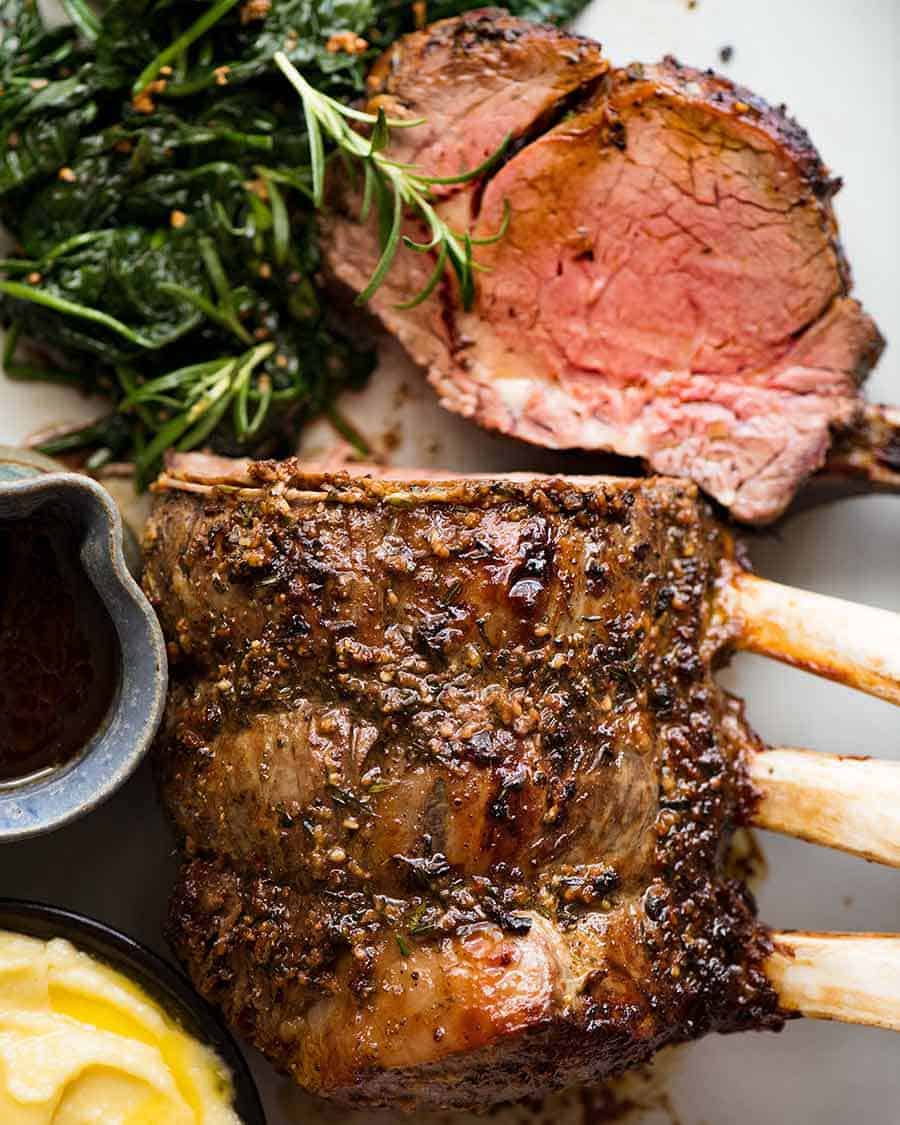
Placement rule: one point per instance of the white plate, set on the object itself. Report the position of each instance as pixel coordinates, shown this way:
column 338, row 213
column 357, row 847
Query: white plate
column 836, row 65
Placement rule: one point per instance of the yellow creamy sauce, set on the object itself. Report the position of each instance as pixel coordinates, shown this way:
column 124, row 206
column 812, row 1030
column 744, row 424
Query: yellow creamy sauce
column 81, row 1044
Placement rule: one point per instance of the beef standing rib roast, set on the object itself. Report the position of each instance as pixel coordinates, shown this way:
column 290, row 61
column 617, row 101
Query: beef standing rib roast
column 671, row 285
column 455, row 783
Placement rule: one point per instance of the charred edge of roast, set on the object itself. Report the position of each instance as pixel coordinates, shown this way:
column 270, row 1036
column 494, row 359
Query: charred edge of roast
column 726, row 95
column 462, row 33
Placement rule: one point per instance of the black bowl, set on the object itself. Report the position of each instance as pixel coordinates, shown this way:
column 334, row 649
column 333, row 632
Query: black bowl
column 165, row 984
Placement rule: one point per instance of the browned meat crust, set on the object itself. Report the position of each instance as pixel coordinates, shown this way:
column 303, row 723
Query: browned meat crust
column 671, row 285
column 452, row 775
column 512, row 78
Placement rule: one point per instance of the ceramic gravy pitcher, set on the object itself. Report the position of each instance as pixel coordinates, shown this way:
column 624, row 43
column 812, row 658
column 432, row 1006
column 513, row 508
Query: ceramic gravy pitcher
column 82, row 659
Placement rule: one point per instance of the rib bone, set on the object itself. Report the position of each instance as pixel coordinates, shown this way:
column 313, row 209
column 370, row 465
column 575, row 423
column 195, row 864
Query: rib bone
column 852, row 804
column 854, row 978
column 869, row 451
column 853, row 644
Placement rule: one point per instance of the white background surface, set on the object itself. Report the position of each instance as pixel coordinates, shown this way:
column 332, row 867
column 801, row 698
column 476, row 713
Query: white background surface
column 837, row 65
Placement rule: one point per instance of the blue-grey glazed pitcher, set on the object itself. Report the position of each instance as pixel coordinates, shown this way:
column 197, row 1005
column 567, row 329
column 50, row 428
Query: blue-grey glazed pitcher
column 30, row 484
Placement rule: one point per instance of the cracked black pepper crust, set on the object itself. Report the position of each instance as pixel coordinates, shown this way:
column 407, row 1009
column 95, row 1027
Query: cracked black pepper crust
column 421, row 734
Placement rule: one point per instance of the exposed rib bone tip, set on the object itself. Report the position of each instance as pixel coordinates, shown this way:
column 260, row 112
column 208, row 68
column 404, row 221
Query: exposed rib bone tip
column 851, row 804
column 854, row 978
column 853, row 644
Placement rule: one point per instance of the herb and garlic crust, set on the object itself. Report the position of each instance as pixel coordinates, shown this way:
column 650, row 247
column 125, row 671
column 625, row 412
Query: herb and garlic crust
column 452, row 776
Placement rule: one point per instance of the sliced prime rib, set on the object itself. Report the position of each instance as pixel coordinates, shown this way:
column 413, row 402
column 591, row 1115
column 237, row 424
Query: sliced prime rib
column 452, row 776
column 671, row 285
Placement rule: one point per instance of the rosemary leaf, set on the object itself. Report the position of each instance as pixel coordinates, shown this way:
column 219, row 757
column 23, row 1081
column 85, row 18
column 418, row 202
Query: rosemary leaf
column 392, row 186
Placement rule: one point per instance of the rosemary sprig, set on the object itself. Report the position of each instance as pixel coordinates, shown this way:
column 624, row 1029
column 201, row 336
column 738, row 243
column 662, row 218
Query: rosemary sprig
column 394, row 187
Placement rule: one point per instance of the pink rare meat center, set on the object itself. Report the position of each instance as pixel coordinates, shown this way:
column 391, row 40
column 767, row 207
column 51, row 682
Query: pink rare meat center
column 670, row 285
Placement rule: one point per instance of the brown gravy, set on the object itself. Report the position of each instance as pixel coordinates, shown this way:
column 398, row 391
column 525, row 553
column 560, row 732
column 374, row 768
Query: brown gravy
column 58, row 650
